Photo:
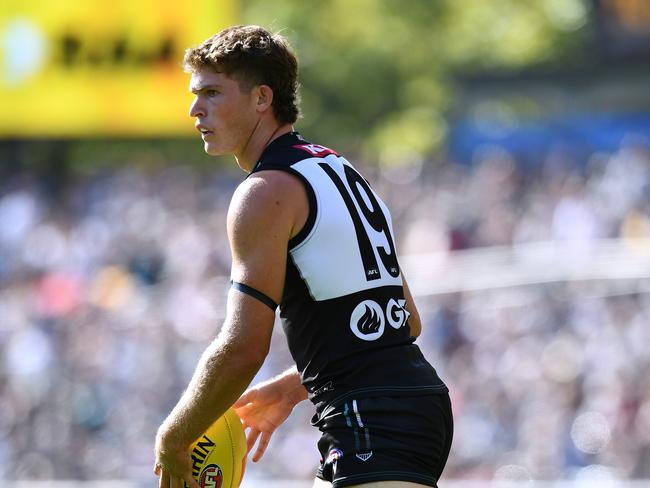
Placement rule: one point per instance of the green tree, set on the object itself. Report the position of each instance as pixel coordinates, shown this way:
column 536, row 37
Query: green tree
column 376, row 73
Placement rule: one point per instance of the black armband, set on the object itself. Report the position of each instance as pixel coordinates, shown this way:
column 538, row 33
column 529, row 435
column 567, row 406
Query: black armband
column 254, row 293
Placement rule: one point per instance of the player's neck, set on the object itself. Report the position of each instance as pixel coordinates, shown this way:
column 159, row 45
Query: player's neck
column 263, row 134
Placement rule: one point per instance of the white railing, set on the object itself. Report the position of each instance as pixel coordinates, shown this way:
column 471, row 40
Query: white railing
column 489, row 268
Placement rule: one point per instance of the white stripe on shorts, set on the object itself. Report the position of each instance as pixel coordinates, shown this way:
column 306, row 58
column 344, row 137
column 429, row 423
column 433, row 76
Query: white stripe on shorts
column 356, row 411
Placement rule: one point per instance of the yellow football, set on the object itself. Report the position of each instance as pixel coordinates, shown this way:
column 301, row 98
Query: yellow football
column 219, row 455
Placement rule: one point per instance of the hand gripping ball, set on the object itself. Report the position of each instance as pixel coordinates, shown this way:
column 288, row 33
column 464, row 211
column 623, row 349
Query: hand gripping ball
column 219, row 455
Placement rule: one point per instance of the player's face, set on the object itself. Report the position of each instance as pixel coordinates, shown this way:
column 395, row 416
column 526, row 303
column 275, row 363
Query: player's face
column 225, row 113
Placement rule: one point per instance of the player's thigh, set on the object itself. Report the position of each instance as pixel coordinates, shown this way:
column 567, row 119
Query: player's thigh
column 318, row 483
column 390, row 484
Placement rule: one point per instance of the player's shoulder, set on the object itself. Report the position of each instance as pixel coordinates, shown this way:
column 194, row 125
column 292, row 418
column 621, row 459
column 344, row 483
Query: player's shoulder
column 266, row 195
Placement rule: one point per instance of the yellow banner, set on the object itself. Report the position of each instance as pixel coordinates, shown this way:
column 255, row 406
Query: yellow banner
column 88, row 68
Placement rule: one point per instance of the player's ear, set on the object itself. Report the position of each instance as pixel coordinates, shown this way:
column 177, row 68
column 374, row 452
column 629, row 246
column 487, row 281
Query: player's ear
column 264, row 97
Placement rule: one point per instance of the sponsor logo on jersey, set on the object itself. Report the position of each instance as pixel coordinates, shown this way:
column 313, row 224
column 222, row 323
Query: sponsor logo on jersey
column 396, row 313
column 364, row 456
column 316, row 150
column 211, row 477
column 329, row 386
column 368, row 318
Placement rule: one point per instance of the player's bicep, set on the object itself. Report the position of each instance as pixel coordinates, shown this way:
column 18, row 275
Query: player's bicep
column 259, row 227
column 258, row 235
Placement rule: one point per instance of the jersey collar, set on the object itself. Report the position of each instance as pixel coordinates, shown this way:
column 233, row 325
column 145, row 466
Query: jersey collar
column 288, row 139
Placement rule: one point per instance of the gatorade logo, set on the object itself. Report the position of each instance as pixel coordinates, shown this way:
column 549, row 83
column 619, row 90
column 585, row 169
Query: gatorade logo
column 211, row 477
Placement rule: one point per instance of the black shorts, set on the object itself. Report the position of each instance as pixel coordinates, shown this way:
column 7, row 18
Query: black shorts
column 386, row 439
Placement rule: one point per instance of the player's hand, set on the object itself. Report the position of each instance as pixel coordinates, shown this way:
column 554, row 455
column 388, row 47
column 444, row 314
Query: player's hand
column 262, row 408
column 173, row 463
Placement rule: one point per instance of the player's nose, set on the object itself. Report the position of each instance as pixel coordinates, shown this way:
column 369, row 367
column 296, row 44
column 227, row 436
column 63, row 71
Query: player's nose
column 196, row 109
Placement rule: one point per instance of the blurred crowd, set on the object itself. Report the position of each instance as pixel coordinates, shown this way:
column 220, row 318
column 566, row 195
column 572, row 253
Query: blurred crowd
column 112, row 285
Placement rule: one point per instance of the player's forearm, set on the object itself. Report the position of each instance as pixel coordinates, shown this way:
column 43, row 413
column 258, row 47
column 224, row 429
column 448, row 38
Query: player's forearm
column 222, row 374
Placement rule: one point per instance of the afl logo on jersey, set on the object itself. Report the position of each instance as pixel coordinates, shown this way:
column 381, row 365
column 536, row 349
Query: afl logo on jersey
column 368, row 319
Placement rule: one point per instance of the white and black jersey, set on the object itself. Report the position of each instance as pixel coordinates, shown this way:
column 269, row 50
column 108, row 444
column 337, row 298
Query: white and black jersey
column 343, row 308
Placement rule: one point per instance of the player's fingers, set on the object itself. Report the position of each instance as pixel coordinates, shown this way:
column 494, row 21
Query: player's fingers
column 261, row 446
column 246, row 397
column 178, row 482
column 252, row 436
column 244, row 411
column 191, row 482
column 156, row 469
column 181, row 482
column 163, row 482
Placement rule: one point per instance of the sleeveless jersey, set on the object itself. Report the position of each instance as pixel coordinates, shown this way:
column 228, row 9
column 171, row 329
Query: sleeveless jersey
column 343, row 308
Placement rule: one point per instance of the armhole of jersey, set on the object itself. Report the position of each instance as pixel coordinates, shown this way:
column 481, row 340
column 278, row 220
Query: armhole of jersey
column 313, row 205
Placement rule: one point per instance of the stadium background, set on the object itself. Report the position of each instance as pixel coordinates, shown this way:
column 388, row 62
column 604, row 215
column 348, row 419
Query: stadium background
column 511, row 140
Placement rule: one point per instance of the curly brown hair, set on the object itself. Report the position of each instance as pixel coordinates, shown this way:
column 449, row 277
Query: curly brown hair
column 252, row 56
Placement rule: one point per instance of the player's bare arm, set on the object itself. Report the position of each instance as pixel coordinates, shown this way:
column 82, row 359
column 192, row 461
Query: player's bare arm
column 263, row 216
column 414, row 322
